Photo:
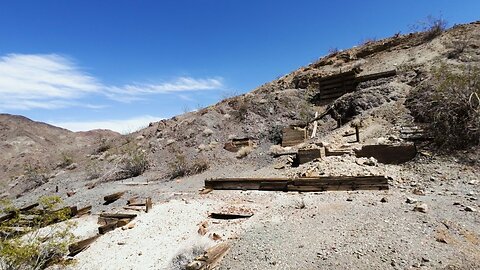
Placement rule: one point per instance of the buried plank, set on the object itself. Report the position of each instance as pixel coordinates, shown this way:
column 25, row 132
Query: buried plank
column 307, row 155
column 210, row 258
column 113, row 197
column 107, row 227
column 320, row 183
column 79, row 246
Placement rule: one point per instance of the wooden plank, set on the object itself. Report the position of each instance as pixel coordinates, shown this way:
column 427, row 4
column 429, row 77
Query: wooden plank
column 107, row 228
column 291, row 136
column 79, row 246
column 307, row 155
column 210, row 258
column 148, row 204
column 84, row 211
column 28, row 207
column 113, row 197
column 319, row 183
column 228, row 216
column 118, row 215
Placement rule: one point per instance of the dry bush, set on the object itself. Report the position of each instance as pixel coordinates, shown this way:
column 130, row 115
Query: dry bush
column 449, row 103
column 180, row 167
column 134, row 162
column 431, row 27
column 244, row 151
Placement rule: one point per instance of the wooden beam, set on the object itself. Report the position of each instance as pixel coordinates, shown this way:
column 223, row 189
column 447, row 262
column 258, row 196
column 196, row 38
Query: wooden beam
column 229, row 216
column 148, row 204
column 113, row 197
column 79, row 246
column 319, row 183
column 210, row 258
column 118, row 215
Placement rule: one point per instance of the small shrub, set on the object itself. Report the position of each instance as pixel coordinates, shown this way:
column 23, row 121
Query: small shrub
column 35, row 248
column 93, row 170
column 66, row 160
column 134, row 162
column 449, row 103
column 104, row 146
column 431, row 27
column 180, row 167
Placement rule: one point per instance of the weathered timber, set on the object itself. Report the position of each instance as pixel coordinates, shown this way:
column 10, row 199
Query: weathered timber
column 292, row 136
column 388, row 154
column 148, row 204
column 319, row 183
column 307, row 155
column 118, row 215
column 107, row 227
column 336, row 152
column 113, row 197
column 210, row 258
column 132, row 200
column 79, row 246
column 137, row 204
column 28, row 207
column 104, row 221
column 8, row 216
column 228, row 216
column 84, row 211
column 134, row 208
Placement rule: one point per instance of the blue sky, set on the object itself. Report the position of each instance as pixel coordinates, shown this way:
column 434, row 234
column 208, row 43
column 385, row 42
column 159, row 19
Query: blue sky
column 121, row 64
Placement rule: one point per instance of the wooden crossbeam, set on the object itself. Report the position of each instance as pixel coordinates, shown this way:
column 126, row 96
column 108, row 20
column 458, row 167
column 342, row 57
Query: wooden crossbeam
column 320, row 183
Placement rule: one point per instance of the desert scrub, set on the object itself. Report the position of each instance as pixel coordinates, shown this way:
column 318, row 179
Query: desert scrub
column 431, row 27
column 40, row 244
column 134, row 162
column 179, row 167
column 449, row 103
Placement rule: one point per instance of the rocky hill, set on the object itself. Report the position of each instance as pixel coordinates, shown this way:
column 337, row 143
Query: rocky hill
column 428, row 218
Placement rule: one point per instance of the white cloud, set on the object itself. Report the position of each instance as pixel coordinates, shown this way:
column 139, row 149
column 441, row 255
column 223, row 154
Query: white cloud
column 51, row 81
column 118, row 125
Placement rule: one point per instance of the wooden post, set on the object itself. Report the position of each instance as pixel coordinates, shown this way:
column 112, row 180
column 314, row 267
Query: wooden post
column 357, row 133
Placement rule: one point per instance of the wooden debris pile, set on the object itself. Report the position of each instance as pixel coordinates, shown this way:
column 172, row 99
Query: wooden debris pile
column 306, row 184
column 334, row 86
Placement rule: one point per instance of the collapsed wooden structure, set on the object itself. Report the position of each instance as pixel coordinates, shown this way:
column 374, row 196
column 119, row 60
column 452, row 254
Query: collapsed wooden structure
column 334, row 86
column 305, row 184
column 293, row 135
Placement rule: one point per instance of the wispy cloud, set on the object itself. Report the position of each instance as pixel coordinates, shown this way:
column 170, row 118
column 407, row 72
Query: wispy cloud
column 119, row 125
column 51, row 81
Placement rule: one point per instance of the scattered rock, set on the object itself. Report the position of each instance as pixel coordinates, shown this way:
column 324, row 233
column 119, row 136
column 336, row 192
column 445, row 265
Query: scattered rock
column 470, row 209
column 72, row 166
column 383, row 200
column 421, row 207
column 71, row 193
column 349, row 199
column 419, row 192
column 411, row 200
column 371, row 162
column 207, row 132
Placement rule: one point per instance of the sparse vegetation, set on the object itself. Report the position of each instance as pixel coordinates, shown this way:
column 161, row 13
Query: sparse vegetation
column 431, row 27
column 66, row 160
column 449, row 103
column 104, row 146
column 180, row 167
column 35, row 247
column 134, row 162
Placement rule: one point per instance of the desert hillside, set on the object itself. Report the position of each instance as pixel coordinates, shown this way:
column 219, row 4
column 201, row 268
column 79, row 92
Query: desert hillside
column 365, row 159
